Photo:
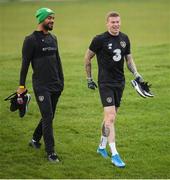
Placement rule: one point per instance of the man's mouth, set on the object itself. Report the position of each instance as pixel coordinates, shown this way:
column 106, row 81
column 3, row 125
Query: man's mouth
column 115, row 28
column 51, row 24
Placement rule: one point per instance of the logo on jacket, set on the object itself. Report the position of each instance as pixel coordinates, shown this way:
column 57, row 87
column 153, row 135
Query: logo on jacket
column 41, row 98
column 109, row 46
column 123, row 44
column 49, row 49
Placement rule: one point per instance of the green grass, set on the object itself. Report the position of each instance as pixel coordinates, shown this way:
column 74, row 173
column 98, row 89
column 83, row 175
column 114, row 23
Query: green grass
column 142, row 127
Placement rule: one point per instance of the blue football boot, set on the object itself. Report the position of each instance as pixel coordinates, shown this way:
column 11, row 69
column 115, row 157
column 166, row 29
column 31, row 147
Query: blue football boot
column 102, row 152
column 117, row 161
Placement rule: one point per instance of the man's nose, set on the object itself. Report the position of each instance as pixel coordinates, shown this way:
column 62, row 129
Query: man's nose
column 52, row 20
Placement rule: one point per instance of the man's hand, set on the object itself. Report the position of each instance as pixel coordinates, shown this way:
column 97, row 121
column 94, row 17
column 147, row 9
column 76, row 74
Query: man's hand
column 21, row 90
column 91, row 84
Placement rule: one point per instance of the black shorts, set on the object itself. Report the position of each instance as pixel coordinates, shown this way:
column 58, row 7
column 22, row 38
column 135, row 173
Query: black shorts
column 111, row 94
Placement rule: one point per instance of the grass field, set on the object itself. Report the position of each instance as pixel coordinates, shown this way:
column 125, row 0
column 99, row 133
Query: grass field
column 142, row 127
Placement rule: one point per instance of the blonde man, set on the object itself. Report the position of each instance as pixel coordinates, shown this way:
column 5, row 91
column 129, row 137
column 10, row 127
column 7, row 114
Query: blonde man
column 111, row 48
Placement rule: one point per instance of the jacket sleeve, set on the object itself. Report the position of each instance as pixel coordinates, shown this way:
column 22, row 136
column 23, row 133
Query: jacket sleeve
column 27, row 54
column 60, row 69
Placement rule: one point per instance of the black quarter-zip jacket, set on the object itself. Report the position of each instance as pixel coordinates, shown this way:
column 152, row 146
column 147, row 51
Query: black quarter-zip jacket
column 41, row 50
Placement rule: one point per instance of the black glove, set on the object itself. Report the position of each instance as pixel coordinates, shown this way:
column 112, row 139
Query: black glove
column 91, row 84
column 138, row 77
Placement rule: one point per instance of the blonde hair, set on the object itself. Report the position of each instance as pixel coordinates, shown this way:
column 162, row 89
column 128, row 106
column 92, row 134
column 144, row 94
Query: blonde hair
column 112, row 14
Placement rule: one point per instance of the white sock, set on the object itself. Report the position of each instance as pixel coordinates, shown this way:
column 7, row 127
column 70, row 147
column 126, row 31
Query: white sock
column 113, row 148
column 103, row 142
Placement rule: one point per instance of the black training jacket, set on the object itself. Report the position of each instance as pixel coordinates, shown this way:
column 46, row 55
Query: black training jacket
column 41, row 50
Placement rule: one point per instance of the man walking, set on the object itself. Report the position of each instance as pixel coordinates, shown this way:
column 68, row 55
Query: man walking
column 111, row 48
column 41, row 50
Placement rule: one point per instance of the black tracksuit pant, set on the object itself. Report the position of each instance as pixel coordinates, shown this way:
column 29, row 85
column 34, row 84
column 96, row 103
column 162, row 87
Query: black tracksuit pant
column 47, row 102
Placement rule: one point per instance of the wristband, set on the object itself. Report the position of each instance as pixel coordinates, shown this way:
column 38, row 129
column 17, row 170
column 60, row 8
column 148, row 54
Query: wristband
column 21, row 87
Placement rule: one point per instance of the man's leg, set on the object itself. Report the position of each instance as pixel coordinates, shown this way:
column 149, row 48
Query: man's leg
column 54, row 100
column 109, row 131
column 45, row 106
column 102, row 146
column 109, row 126
column 38, row 131
column 53, row 157
column 36, row 136
column 47, row 117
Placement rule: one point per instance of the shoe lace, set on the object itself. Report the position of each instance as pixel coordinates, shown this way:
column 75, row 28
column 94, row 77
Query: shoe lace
column 36, row 142
column 53, row 155
column 145, row 86
column 12, row 96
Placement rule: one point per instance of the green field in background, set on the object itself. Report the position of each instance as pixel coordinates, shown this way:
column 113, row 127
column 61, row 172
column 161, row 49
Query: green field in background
column 142, row 126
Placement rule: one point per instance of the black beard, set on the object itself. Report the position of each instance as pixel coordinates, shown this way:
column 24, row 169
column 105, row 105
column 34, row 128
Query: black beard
column 46, row 27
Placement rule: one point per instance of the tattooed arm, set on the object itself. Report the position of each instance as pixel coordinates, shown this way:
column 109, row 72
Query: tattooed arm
column 88, row 57
column 132, row 67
